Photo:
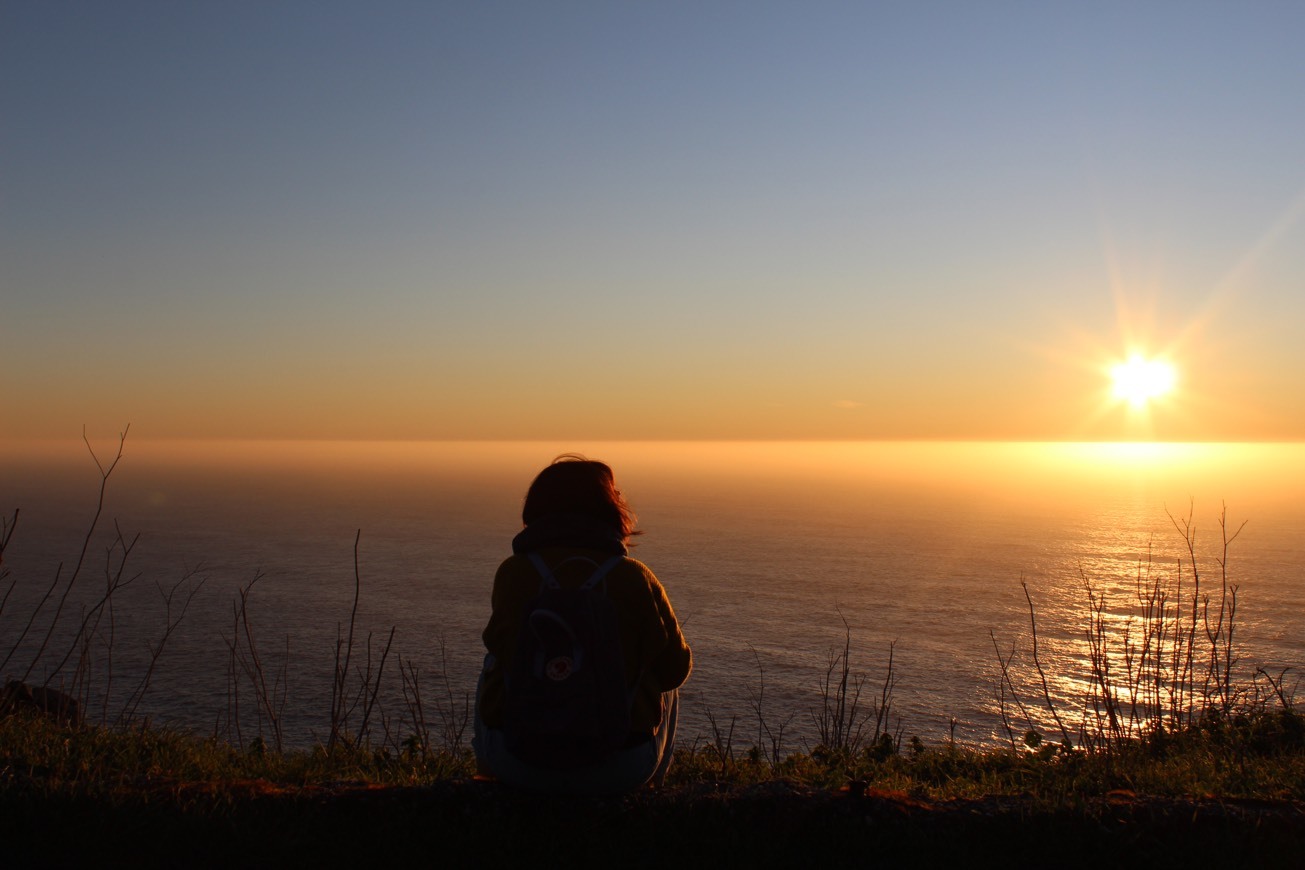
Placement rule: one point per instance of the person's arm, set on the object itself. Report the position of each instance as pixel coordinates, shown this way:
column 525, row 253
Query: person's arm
column 500, row 638
column 674, row 662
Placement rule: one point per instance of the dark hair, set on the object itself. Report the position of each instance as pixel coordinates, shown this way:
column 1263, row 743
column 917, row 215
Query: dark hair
column 573, row 484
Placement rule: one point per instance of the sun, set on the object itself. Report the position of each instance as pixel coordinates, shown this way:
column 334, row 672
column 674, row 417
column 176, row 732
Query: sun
column 1139, row 380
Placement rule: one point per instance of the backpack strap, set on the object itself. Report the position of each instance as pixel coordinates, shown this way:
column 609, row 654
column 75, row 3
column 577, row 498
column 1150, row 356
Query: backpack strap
column 549, row 581
column 599, row 575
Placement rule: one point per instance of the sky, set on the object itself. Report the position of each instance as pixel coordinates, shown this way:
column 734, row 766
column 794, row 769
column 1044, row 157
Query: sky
column 677, row 220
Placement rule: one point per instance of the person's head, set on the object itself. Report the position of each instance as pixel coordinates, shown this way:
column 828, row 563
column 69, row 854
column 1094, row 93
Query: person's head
column 573, row 484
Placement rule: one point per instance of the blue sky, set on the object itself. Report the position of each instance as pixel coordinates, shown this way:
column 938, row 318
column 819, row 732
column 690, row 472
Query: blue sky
column 636, row 220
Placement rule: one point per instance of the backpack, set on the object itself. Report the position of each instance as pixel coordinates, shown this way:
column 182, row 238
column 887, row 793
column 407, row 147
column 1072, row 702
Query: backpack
column 567, row 703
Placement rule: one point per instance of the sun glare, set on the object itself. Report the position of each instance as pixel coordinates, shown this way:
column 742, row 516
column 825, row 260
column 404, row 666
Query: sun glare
column 1140, row 380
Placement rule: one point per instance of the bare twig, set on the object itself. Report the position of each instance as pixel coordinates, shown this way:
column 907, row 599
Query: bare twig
column 1046, row 690
column 343, row 654
column 770, row 740
column 72, row 579
column 722, row 741
column 172, row 617
column 7, row 527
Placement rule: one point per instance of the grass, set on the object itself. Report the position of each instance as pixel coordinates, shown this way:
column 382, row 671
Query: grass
column 1260, row 757
column 157, row 797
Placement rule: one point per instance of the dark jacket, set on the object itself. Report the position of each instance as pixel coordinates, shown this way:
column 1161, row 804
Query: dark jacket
column 657, row 659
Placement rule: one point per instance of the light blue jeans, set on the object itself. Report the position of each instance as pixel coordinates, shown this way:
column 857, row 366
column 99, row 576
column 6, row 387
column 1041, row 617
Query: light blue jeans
column 625, row 771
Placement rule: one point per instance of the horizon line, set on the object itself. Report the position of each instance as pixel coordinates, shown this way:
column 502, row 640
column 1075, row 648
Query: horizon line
column 638, row 440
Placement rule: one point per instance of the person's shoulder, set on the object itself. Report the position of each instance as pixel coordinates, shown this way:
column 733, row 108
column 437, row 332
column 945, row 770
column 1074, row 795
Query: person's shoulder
column 514, row 565
column 632, row 567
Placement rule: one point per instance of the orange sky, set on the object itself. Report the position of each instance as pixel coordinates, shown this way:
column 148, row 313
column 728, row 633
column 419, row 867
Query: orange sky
column 647, row 223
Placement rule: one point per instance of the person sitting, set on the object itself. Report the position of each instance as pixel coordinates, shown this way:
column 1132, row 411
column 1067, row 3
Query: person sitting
column 584, row 655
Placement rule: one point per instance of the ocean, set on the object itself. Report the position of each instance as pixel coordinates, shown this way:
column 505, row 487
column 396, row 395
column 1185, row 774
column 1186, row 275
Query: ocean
column 773, row 554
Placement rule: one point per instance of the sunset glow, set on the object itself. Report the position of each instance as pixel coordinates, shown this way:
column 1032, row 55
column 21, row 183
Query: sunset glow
column 1139, row 380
